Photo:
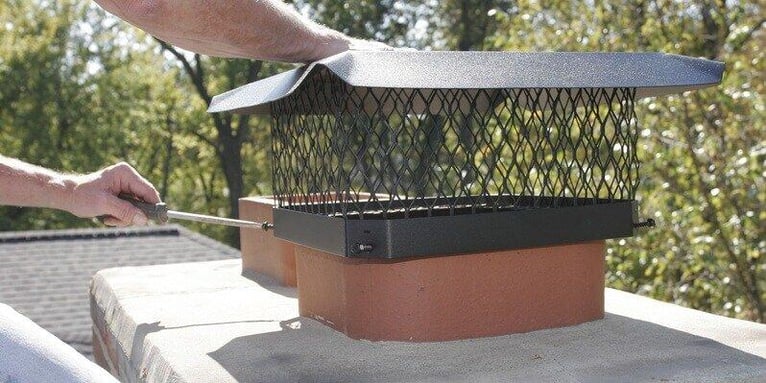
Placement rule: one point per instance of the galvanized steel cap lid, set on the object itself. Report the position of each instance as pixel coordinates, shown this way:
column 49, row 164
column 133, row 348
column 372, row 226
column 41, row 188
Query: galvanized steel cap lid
column 652, row 74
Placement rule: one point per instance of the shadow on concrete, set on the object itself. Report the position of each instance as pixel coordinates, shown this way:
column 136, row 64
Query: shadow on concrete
column 616, row 348
column 144, row 329
column 270, row 283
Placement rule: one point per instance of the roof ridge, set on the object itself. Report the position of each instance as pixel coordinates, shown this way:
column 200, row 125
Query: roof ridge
column 92, row 233
column 205, row 240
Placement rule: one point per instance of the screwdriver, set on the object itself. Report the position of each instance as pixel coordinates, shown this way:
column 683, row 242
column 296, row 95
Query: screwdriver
column 159, row 212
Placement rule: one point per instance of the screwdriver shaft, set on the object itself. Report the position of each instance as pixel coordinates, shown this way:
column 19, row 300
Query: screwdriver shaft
column 214, row 220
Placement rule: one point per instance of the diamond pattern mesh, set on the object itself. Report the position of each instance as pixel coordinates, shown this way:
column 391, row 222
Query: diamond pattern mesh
column 366, row 153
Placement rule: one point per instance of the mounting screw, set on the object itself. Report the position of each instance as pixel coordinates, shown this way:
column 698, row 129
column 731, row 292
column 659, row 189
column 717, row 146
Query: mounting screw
column 648, row 223
column 362, row 247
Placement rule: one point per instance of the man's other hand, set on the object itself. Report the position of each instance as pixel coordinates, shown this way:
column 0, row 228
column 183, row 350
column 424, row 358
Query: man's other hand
column 95, row 194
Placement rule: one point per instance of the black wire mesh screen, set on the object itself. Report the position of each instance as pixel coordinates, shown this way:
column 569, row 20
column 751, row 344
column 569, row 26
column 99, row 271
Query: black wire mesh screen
column 374, row 153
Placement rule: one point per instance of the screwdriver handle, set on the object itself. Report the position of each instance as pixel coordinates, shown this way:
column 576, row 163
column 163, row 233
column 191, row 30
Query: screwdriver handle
column 157, row 212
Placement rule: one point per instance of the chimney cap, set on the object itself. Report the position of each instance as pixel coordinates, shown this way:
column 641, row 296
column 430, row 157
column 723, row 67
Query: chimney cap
column 652, row 74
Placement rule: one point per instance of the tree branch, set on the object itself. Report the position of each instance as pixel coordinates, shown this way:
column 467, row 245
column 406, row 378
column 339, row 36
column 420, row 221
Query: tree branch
column 194, row 72
column 243, row 127
column 750, row 285
column 748, row 35
column 208, row 141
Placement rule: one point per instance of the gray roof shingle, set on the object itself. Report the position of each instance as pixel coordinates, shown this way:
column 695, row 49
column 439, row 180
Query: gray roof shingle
column 45, row 275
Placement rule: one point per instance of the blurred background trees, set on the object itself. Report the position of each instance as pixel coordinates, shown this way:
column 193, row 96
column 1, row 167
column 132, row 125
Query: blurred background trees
column 80, row 89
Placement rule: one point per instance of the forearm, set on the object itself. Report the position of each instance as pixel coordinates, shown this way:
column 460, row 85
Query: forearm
column 23, row 184
column 256, row 29
column 86, row 195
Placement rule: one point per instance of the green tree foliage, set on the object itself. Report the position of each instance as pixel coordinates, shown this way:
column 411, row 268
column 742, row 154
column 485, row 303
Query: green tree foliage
column 388, row 21
column 82, row 90
column 239, row 144
column 703, row 153
column 465, row 25
column 71, row 102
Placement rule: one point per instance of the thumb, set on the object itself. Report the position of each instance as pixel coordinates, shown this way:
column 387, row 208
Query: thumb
column 123, row 213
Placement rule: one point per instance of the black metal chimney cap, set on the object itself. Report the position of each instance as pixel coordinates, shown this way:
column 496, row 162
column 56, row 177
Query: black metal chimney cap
column 652, row 74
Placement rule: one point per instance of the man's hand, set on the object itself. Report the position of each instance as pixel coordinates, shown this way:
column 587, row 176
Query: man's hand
column 88, row 195
column 96, row 194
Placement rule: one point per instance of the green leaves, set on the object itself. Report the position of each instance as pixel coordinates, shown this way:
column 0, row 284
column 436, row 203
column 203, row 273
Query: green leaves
column 702, row 152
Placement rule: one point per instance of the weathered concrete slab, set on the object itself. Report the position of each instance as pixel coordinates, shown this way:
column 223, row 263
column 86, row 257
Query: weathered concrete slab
column 203, row 322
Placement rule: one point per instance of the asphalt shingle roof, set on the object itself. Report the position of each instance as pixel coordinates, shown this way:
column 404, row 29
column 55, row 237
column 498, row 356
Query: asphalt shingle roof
column 45, row 275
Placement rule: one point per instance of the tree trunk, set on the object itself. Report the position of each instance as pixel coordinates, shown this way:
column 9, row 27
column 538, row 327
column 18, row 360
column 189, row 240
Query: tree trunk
column 231, row 160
